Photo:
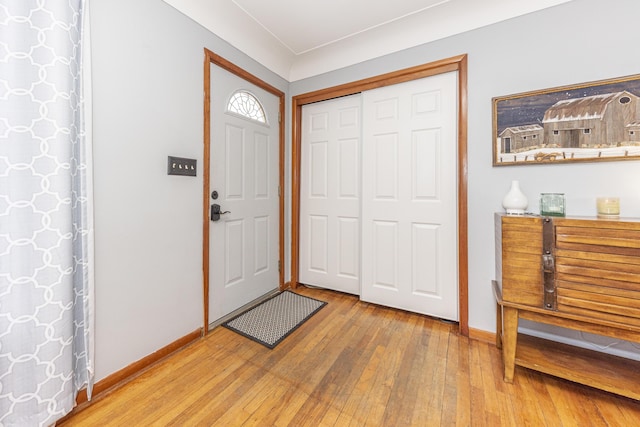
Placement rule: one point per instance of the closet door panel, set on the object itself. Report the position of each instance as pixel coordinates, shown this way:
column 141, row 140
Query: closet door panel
column 330, row 195
column 409, row 196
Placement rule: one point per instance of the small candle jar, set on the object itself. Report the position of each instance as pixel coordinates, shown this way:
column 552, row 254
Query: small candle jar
column 552, row 204
column 608, row 207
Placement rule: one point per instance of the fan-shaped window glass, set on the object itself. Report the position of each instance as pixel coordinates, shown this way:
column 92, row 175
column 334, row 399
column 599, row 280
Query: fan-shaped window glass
column 247, row 105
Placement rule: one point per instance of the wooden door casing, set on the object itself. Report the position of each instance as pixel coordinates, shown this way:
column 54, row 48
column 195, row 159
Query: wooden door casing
column 456, row 63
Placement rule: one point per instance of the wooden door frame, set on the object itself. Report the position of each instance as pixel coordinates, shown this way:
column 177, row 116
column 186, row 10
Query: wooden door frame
column 209, row 59
column 456, row 63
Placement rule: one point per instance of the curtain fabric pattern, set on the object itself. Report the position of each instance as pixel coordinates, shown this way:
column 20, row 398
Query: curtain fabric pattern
column 46, row 217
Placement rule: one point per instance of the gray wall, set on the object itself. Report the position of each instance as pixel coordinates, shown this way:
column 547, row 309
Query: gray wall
column 580, row 41
column 148, row 97
column 147, row 75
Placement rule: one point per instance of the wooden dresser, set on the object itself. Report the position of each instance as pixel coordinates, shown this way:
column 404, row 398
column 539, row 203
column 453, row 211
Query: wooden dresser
column 577, row 273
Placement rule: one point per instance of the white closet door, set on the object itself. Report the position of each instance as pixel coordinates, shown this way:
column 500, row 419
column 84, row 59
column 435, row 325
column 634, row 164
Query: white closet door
column 329, row 195
column 409, row 196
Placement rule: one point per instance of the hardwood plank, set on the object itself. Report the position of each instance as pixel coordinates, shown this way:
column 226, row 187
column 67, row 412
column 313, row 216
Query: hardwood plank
column 399, row 407
column 352, row 364
column 463, row 384
column 440, row 346
column 358, row 400
column 544, row 400
column 611, row 411
column 450, row 386
column 582, row 397
column 340, row 379
column 316, row 412
column 389, row 381
column 475, row 382
column 526, row 408
column 488, row 383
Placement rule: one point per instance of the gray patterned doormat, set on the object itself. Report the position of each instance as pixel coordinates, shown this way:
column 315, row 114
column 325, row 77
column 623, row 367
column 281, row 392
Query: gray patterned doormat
column 273, row 320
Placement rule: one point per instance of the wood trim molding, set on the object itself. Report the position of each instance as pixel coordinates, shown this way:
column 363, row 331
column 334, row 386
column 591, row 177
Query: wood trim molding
column 456, row 63
column 463, row 165
column 206, row 188
column 484, row 336
column 116, row 380
column 212, row 58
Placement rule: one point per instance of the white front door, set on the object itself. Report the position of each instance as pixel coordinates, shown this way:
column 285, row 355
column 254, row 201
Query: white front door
column 330, row 195
column 409, row 196
column 244, row 246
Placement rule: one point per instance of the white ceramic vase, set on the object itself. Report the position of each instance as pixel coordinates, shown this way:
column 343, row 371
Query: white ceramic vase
column 515, row 202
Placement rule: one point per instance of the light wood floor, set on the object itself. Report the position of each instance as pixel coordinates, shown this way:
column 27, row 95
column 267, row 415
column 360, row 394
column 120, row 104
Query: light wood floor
column 352, row 364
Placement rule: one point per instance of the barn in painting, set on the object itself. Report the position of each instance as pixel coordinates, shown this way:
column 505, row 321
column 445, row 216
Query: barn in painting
column 633, row 131
column 591, row 121
column 520, row 138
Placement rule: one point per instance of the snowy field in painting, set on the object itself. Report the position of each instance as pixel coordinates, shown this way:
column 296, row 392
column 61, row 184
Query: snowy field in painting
column 564, row 154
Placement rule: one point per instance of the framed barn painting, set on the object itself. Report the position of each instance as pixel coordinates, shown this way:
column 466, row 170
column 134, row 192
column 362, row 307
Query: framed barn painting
column 597, row 121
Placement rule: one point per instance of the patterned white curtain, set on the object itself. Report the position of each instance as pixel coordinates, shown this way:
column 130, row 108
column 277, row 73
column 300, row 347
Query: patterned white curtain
column 46, row 217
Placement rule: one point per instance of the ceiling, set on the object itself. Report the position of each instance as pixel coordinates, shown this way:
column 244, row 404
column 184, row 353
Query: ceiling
column 301, row 38
column 303, row 26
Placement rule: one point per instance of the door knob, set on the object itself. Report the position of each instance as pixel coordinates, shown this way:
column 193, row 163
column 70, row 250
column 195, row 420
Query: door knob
column 215, row 212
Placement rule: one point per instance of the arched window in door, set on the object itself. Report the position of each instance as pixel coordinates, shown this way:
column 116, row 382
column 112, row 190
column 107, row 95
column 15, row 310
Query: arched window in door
column 247, row 105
